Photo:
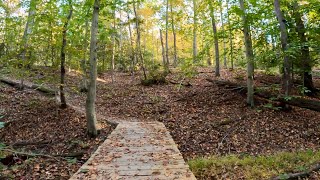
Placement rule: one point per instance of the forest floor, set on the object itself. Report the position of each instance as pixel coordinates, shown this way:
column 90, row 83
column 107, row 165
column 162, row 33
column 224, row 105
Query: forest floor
column 204, row 119
column 40, row 140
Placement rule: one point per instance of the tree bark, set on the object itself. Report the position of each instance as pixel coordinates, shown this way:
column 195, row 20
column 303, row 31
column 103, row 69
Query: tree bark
column 223, row 38
column 63, row 103
column 175, row 58
column 167, row 42
column 91, row 96
column 194, row 46
column 113, row 43
column 216, row 40
column 287, row 81
column 305, row 54
column 84, row 84
column 26, row 33
column 139, row 40
column 133, row 55
column 249, row 55
column 163, row 51
column 230, row 37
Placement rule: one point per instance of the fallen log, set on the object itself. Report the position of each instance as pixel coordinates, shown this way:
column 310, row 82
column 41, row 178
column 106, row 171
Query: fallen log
column 298, row 175
column 293, row 101
column 37, row 87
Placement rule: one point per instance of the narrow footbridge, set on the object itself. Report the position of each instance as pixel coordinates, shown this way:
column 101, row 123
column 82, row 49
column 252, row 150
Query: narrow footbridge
column 136, row 150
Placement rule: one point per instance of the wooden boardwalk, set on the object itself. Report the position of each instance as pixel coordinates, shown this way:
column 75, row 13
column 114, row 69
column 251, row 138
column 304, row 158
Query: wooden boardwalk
column 136, row 150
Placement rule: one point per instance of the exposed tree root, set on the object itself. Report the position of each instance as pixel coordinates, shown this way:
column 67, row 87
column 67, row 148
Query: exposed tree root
column 299, row 175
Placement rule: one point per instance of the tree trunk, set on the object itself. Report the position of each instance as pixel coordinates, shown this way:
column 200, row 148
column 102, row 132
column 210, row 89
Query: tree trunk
column 287, row 81
column 133, row 55
column 175, row 60
column 139, row 40
column 163, row 51
column 91, row 96
column 120, row 38
column 305, row 54
column 63, row 59
column 230, row 38
column 223, row 36
column 249, row 55
column 84, row 84
column 209, row 57
column 167, row 43
column 113, row 43
column 216, row 40
column 194, row 47
column 26, row 33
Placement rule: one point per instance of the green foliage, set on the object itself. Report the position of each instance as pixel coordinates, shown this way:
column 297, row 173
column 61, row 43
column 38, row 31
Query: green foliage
column 271, row 106
column 156, row 75
column 303, row 90
column 187, row 68
column 253, row 167
column 2, row 124
column 71, row 160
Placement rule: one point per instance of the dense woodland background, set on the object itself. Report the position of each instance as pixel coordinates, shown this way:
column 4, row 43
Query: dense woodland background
column 235, row 81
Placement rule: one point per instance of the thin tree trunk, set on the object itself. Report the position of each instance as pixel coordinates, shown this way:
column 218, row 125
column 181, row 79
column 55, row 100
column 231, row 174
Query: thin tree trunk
column 113, row 43
column 194, row 47
column 305, row 54
column 91, row 96
column 287, row 81
column 27, row 32
column 249, row 55
column 223, row 38
column 175, row 59
column 230, row 37
column 139, row 41
column 209, row 57
column 133, row 55
column 120, row 37
column 84, row 84
column 167, row 43
column 163, row 51
column 63, row 59
column 216, row 40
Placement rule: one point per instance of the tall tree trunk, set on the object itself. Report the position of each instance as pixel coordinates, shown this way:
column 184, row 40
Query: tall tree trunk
column 175, row 58
column 223, row 36
column 305, row 54
column 167, row 43
column 84, row 84
column 91, row 96
column 163, row 51
column 230, row 37
column 216, row 40
column 287, row 81
column 26, row 33
column 113, row 43
column 133, row 53
column 120, row 37
column 194, row 47
column 63, row 58
column 249, row 55
column 139, row 40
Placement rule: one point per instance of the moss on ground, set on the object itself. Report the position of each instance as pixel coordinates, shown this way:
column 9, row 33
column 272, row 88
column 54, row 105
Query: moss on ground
column 253, row 167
